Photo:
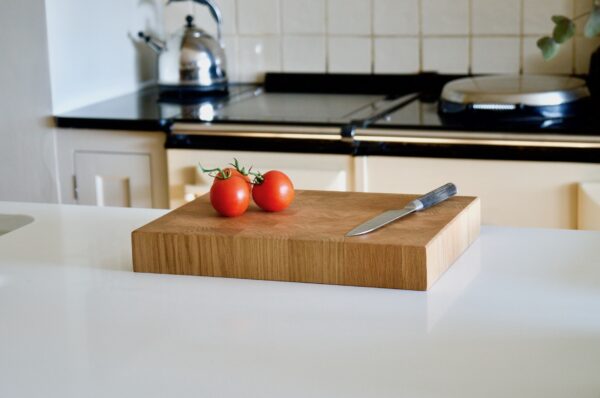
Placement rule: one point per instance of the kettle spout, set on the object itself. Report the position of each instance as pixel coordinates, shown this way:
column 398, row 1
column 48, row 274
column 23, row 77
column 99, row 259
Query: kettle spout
column 156, row 45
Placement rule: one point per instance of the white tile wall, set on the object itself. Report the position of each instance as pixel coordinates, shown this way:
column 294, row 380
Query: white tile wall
column 496, row 55
column 231, row 54
column 493, row 17
column 349, row 54
column 349, row 17
column 396, row 17
column 533, row 63
column 442, row 17
column 389, row 36
column 258, row 17
column 174, row 16
column 205, row 20
column 396, row 55
column 537, row 14
column 303, row 17
column 448, row 53
column 256, row 55
column 304, row 54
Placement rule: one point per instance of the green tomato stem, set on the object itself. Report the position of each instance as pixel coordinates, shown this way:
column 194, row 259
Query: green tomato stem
column 216, row 172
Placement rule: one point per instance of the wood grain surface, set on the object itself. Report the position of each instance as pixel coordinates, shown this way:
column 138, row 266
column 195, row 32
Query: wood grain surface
column 306, row 242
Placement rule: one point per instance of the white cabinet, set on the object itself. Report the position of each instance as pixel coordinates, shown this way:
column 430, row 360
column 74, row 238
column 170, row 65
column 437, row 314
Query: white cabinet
column 113, row 179
column 514, row 193
column 588, row 216
column 112, row 168
column 307, row 171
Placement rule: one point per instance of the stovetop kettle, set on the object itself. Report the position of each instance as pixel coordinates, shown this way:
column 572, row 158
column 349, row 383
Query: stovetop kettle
column 191, row 59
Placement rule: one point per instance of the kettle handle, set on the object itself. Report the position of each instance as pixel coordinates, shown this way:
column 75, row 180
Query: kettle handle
column 214, row 11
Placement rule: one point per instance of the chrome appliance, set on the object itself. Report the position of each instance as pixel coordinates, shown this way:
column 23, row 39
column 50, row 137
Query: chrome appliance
column 514, row 97
column 191, row 60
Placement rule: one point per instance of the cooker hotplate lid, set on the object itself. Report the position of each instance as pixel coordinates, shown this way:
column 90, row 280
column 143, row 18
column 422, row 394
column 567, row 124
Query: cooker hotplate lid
column 529, row 90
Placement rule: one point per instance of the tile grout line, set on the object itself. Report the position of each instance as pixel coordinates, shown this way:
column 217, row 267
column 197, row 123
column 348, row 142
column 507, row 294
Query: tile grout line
column 238, row 47
column 327, row 44
column 470, row 40
column 521, row 37
column 574, row 48
column 372, row 29
column 281, row 36
column 420, row 34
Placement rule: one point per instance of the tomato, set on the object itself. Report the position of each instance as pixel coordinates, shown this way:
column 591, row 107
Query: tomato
column 231, row 172
column 273, row 191
column 230, row 196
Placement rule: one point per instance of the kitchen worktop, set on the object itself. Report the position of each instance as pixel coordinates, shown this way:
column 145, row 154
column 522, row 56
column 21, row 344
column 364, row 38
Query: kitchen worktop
column 140, row 110
column 517, row 315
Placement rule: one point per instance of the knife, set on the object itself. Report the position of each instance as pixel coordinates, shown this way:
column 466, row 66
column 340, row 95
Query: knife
column 424, row 202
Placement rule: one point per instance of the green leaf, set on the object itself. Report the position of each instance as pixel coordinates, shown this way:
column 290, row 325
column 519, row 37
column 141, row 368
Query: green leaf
column 559, row 18
column 592, row 26
column 563, row 30
column 548, row 46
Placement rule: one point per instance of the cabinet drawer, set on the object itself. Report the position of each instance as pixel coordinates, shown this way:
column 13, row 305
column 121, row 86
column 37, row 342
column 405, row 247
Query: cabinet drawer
column 513, row 193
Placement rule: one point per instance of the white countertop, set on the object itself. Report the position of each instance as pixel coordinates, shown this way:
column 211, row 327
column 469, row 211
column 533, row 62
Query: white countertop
column 518, row 315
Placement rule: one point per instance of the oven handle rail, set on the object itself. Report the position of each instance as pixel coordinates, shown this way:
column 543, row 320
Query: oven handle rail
column 385, row 136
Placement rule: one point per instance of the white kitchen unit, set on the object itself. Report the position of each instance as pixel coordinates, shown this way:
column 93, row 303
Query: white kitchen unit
column 515, row 193
column 588, row 206
column 515, row 316
column 112, row 168
column 307, row 171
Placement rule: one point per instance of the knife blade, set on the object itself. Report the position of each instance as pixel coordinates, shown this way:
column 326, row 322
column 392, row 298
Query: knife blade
column 426, row 201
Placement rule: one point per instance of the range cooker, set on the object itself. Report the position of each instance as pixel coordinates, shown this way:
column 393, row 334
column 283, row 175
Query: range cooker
column 389, row 102
column 355, row 114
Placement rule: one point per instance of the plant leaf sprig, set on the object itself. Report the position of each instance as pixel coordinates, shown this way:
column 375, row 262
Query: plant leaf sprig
column 564, row 30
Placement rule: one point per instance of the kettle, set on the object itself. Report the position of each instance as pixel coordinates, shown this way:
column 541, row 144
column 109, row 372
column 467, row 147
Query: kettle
column 191, row 60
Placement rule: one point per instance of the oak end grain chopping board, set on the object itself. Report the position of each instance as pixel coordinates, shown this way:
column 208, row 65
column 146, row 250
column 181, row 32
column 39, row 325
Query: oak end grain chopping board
column 306, row 242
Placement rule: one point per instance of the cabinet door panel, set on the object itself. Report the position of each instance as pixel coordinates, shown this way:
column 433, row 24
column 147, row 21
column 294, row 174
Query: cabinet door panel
column 73, row 144
column 113, row 179
column 513, row 193
column 113, row 191
column 307, row 171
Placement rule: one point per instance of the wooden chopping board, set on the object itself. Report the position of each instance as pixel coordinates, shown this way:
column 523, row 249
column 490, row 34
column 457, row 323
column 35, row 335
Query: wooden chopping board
column 306, row 242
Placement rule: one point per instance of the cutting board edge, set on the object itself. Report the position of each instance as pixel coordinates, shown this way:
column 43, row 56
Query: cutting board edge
column 471, row 227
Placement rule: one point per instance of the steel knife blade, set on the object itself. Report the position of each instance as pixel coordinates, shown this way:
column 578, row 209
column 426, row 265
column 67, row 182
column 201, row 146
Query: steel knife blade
column 424, row 202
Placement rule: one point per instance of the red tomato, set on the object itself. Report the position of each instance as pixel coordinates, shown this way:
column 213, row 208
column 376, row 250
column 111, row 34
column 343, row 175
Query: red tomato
column 275, row 192
column 231, row 172
column 230, row 197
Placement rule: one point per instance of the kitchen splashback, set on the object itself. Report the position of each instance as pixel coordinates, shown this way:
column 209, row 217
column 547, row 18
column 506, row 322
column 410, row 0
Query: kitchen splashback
column 390, row 36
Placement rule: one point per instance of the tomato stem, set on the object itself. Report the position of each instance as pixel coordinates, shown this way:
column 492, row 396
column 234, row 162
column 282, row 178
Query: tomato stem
column 216, row 172
column 240, row 169
column 258, row 177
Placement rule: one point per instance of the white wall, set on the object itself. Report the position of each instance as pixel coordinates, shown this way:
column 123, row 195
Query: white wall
column 391, row 36
column 27, row 155
column 94, row 51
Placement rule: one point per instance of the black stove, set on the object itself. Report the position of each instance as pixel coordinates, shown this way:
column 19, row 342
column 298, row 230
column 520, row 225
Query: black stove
column 424, row 114
column 384, row 115
column 418, row 106
column 347, row 102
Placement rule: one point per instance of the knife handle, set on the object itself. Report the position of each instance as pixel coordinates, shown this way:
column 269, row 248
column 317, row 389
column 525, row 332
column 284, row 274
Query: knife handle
column 434, row 197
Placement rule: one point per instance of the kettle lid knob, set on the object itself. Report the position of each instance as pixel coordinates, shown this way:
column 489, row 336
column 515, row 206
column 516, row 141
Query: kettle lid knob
column 190, row 21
